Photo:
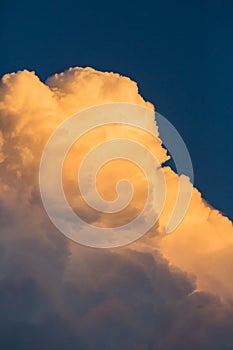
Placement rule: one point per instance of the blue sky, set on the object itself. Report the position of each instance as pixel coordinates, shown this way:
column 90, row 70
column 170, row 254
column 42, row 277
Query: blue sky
column 179, row 52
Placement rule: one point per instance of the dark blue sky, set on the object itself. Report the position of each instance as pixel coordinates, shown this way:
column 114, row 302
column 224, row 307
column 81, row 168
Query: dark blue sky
column 179, row 52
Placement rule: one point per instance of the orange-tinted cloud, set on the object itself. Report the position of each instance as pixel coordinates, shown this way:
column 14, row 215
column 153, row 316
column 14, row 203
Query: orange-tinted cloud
column 81, row 284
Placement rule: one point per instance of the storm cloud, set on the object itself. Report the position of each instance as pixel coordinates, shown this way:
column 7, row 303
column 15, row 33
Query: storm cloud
column 162, row 292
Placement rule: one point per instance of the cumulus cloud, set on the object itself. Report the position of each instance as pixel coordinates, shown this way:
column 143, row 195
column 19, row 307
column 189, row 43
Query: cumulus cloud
column 162, row 292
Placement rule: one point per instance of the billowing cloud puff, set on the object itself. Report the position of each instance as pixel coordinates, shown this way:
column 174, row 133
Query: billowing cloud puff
column 162, row 292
